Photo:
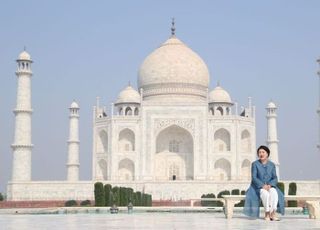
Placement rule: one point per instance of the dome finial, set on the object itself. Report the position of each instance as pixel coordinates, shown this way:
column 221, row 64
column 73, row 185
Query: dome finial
column 24, row 48
column 173, row 28
column 218, row 83
column 129, row 83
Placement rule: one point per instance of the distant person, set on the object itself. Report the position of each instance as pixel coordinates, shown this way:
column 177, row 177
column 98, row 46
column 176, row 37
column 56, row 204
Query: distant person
column 264, row 186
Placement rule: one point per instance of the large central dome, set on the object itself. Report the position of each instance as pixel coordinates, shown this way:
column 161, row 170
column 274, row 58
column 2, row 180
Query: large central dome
column 173, row 70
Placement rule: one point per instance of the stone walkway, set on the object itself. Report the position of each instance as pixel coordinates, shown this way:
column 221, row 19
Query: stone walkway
column 150, row 221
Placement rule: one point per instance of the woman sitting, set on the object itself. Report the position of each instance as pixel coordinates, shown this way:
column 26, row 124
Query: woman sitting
column 264, row 186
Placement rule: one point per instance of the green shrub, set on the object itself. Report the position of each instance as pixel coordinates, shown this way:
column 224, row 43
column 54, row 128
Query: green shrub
column 280, row 185
column 116, row 196
column 99, row 196
column 130, row 195
column 134, row 199
column 209, row 203
column 70, row 203
column 146, row 199
column 149, row 200
column 108, row 195
column 123, row 196
column 85, row 203
column 1, row 197
column 138, row 197
column 203, row 202
column 292, row 191
column 143, row 199
column 225, row 192
column 235, row 192
column 241, row 204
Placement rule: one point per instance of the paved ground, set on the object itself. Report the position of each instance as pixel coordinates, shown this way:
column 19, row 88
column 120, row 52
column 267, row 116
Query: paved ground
column 150, row 221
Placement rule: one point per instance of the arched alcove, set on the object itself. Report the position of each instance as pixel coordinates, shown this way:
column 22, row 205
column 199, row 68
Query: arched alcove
column 126, row 141
column 222, row 140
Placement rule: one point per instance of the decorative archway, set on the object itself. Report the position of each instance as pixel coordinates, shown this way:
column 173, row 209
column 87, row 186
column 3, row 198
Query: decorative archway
column 245, row 142
column 126, row 170
column 174, row 154
column 128, row 111
column 222, row 140
column 101, row 170
column 222, row 170
column 126, row 141
column 102, row 142
column 245, row 170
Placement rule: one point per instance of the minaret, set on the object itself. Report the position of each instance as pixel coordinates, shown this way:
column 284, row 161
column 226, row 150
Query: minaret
column 22, row 147
column 73, row 143
column 272, row 139
column 318, row 110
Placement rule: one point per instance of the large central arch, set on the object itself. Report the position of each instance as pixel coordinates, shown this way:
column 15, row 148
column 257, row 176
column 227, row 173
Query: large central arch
column 174, row 154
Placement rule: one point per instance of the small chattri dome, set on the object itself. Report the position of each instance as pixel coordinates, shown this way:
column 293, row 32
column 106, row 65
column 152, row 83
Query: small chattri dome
column 219, row 95
column 25, row 56
column 74, row 105
column 128, row 95
column 271, row 105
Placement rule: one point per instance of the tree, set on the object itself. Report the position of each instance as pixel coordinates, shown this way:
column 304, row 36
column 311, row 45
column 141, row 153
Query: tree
column 116, row 195
column 280, row 185
column 123, row 196
column 108, row 195
column 138, row 197
column 292, row 191
column 130, row 195
column 99, row 195
column 1, row 197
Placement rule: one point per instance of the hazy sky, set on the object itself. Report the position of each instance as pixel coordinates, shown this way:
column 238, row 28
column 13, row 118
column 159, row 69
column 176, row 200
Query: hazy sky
column 84, row 49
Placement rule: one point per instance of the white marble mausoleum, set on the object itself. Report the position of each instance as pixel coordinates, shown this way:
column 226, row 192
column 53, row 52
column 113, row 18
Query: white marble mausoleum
column 172, row 136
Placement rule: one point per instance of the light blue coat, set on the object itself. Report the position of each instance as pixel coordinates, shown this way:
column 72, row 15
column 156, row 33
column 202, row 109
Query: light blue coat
column 261, row 174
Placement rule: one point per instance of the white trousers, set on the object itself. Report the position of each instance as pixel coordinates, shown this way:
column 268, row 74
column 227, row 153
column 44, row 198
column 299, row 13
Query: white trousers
column 269, row 199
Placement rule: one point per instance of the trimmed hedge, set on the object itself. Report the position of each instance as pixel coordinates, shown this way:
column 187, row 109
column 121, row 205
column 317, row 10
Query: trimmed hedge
column 281, row 186
column 130, row 195
column 119, row 196
column 225, row 192
column 99, row 195
column 124, row 200
column 116, row 196
column 207, row 202
column 70, row 203
column 138, row 199
column 85, row 203
column 220, row 194
column 108, row 195
column 241, row 204
column 292, row 191
column 235, row 192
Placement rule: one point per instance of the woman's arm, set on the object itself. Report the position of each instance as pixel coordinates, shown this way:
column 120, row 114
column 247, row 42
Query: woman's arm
column 254, row 176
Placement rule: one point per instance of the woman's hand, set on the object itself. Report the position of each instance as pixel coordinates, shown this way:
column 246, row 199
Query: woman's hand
column 266, row 187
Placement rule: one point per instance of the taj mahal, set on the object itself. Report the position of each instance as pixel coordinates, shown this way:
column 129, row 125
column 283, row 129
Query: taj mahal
column 172, row 137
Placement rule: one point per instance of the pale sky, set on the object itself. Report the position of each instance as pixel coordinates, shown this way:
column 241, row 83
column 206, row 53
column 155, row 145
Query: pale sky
column 84, row 49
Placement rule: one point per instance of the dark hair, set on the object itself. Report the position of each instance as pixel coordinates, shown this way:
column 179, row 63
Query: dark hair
column 265, row 148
